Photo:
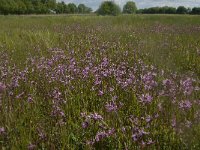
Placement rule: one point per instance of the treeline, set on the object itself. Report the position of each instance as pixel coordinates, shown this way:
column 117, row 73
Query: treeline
column 111, row 8
column 106, row 8
column 169, row 10
column 40, row 7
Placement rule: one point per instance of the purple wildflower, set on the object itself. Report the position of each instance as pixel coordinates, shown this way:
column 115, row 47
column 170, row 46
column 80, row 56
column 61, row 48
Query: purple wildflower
column 100, row 136
column 100, row 93
column 96, row 117
column 85, row 124
column 111, row 106
column 148, row 119
column 185, row 105
column 187, row 86
column 167, row 82
column 110, row 132
column 134, row 137
column 30, row 99
column 146, row 98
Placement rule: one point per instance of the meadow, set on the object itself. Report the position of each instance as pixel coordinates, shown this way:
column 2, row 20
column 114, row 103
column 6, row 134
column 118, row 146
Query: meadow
column 92, row 82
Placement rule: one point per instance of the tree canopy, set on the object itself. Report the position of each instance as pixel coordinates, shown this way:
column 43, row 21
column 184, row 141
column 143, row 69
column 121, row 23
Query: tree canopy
column 158, row 10
column 181, row 10
column 130, row 7
column 109, row 8
column 196, row 10
column 106, row 8
column 82, row 9
column 39, row 7
column 169, row 10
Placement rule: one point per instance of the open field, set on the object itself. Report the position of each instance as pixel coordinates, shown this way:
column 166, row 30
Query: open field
column 91, row 82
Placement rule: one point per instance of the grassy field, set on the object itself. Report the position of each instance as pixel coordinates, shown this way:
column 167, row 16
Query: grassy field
column 92, row 82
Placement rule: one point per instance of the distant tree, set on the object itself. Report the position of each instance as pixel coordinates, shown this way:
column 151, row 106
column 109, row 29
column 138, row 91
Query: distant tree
column 181, row 10
column 170, row 10
column 167, row 10
column 21, row 7
column 51, row 4
column 158, row 10
column 109, row 8
column 12, row 6
column 66, row 9
column 82, row 9
column 4, row 7
column 72, row 8
column 29, row 7
column 139, row 11
column 130, row 7
column 60, row 8
column 88, row 10
column 196, row 10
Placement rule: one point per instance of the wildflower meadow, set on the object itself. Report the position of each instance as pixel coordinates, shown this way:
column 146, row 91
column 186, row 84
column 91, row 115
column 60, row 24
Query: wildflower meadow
column 92, row 82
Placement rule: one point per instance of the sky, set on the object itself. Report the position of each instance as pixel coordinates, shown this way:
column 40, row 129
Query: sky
column 140, row 3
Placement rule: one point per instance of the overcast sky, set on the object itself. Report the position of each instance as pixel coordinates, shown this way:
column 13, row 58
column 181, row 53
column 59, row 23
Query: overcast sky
column 140, row 3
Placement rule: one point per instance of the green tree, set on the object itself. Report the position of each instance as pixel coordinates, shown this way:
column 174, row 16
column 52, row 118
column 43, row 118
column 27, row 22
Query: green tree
column 12, row 7
column 82, row 9
column 170, row 10
column 29, row 6
column 109, row 8
column 130, row 8
column 60, row 7
column 51, row 4
column 72, row 8
column 195, row 10
column 158, row 10
column 66, row 9
column 88, row 10
column 21, row 7
column 181, row 10
column 39, row 7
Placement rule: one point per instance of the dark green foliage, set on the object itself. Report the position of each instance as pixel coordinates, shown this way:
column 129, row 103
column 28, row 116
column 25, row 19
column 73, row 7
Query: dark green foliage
column 130, row 8
column 195, row 10
column 181, row 10
column 109, row 8
column 169, row 10
column 158, row 10
column 39, row 7
column 82, row 9
column 72, row 8
column 62, row 8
